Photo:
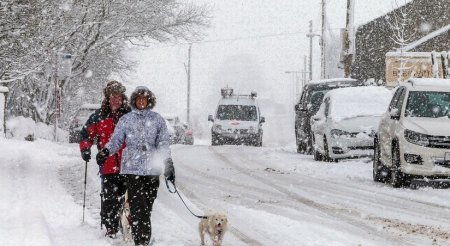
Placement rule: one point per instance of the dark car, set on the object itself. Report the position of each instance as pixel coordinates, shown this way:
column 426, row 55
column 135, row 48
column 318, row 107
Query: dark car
column 310, row 100
column 78, row 121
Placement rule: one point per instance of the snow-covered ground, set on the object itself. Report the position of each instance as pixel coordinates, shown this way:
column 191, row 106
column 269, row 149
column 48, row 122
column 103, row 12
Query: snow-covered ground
column 273, row 196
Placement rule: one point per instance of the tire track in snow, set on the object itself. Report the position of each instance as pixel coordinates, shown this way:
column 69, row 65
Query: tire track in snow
column 202, row 204
column 349, row 216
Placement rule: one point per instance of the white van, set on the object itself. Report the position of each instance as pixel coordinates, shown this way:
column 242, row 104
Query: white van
column 237, row 120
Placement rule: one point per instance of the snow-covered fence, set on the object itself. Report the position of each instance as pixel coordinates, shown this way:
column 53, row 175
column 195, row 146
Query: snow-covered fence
column 3, row 94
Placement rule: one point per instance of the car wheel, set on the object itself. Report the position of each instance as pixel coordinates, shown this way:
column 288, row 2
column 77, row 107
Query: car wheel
column 301, row 147
column 398, row 178
column 316, row 154
column 309, row 146
column 327, row 151
column 259, row 140
column 378, row 167
column 215, row 140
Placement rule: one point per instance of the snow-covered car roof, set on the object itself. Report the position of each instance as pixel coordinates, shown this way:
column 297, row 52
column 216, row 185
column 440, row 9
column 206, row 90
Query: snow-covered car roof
column 358, row 101
column 334, row 80
column 3, row 89
column 171, row 119
column 237, row 100
column 429, row 83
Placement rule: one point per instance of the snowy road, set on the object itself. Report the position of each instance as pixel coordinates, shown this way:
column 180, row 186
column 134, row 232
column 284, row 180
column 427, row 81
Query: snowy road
column 273, row 196
column 277, row 197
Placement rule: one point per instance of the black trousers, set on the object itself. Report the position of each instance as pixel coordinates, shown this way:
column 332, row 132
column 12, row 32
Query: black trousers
column 142, row 192
column 113, row 191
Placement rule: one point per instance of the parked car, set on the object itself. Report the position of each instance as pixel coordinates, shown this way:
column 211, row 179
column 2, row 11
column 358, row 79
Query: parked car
column 80, row 118
column 237, row 120
column 413, row 139
column 310, row 100
column 180, row 133
column 188, row 137
column 345, row 124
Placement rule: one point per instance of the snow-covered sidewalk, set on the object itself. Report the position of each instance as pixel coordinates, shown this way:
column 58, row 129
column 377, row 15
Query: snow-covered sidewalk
column 35, row 207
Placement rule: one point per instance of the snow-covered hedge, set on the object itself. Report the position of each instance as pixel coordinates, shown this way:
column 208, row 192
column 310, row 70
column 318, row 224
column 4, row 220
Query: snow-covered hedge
column 21, row 127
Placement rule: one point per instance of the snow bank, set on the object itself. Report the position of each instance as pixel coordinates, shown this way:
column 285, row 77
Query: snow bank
column 21, row 127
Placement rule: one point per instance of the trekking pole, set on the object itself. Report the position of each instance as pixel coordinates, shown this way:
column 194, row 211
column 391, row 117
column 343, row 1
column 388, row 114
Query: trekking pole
column 84, row 195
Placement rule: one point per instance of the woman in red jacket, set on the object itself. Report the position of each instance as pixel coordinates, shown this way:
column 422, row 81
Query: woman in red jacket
column 99, row 127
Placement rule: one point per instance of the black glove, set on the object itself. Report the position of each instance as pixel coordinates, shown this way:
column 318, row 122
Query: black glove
column 169, row 171
column 86, row 154
column 102, row 156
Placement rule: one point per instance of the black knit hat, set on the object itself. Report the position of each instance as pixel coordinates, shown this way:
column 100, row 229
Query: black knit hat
column 113, row 87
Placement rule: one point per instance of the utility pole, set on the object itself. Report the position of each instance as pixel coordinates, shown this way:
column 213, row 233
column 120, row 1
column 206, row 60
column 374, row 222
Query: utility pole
column 322, row 40
column 304, row 72
column 348, row 39
column 189, row 86
column 311, row 35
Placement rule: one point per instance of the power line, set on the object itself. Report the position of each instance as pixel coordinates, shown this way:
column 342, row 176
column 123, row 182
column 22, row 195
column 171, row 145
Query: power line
column 237, row 38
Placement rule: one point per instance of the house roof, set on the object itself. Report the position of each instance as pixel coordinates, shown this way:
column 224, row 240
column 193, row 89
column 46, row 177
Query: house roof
column 427, row 38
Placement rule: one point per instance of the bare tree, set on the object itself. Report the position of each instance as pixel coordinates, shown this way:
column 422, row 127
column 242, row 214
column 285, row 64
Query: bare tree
column 33, row 33
column 399, row 22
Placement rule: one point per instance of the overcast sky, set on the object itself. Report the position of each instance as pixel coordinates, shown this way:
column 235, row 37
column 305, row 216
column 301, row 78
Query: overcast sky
column 249, row 46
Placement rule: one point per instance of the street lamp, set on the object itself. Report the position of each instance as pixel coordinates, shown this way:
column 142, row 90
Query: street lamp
column 63, row 70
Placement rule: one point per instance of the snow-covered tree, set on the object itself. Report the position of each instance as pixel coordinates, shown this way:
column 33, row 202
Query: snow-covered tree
column 34, row 33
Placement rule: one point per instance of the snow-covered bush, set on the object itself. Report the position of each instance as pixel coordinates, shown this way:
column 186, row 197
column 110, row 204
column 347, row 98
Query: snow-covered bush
column 21, row 128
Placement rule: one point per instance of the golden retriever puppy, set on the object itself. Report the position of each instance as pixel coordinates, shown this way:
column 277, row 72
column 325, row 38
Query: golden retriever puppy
column 215, row 225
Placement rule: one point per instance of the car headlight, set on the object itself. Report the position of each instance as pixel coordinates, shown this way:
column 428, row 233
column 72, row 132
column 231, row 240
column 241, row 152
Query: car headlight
column 217, row 128
column 338, row 133
column 416, row 138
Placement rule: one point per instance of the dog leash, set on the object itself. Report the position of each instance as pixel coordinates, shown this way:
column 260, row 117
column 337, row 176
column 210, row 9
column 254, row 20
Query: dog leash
column 176, row 191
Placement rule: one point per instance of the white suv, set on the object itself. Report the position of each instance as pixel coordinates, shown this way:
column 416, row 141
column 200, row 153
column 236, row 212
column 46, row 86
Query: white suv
column 413, row 139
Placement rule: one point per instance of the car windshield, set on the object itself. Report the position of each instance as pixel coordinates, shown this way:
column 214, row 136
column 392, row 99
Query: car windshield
column 430, row 104
column 237, row 112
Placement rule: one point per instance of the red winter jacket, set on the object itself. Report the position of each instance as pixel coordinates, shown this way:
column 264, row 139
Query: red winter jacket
column 100, row 127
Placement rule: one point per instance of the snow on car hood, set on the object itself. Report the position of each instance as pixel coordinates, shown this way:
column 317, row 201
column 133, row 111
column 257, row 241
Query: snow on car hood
column 358, row 101
column 358, row 124
column 430, row 126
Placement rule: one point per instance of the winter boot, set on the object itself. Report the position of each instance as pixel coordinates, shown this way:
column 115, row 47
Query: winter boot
column 111, row 233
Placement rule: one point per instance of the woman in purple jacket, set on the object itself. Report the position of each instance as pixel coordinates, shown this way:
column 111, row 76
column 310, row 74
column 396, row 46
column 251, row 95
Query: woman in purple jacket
column 146, row 153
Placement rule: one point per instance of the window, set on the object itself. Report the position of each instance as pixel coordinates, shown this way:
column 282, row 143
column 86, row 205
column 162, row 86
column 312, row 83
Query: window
column 237, row 112
column 430, row 104
column 400, row 100
column 395, row 98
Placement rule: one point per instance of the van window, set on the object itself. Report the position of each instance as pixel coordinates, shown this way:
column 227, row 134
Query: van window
column 237, row 112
